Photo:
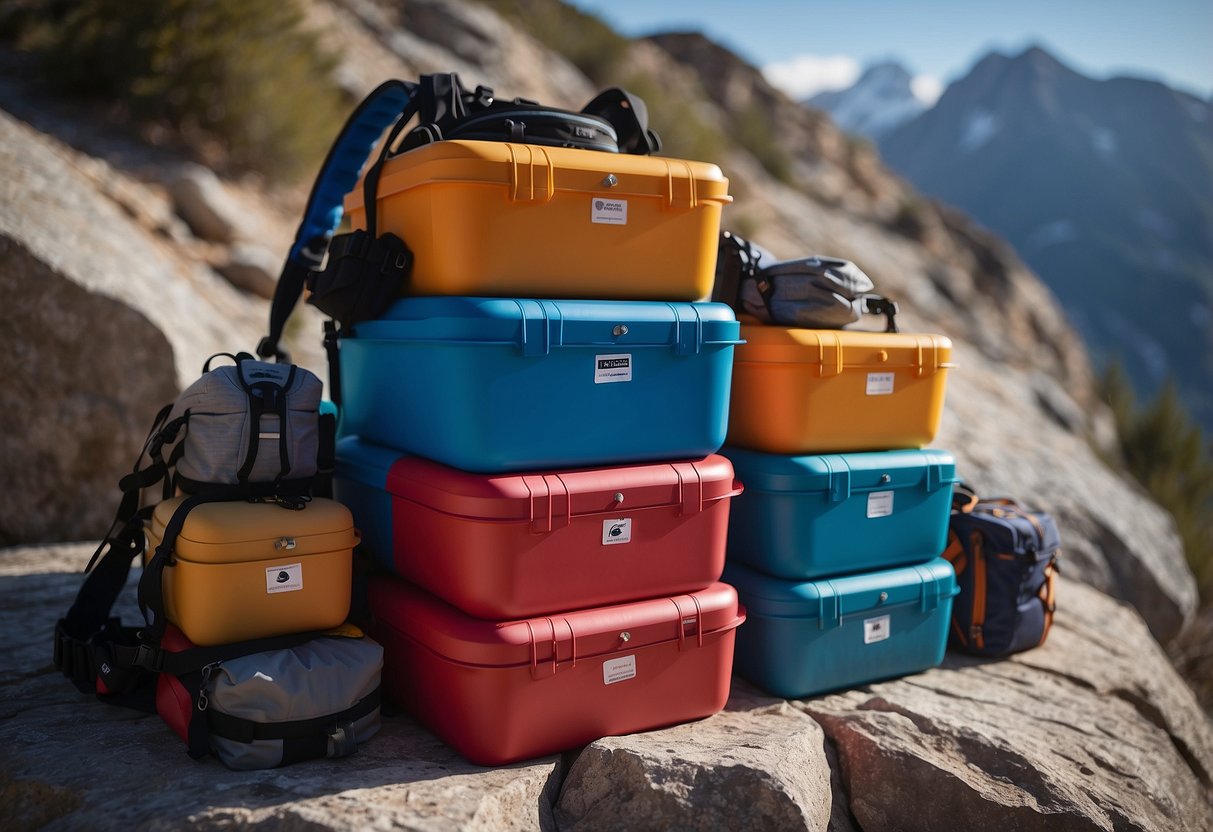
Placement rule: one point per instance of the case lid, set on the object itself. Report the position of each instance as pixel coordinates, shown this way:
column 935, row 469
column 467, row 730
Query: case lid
column 834, row 350
column 238, row 531
column 534, row 173
column 828, row 601
column 538, row 326
column 841, row 475
column 546, row 499
column 553, row 642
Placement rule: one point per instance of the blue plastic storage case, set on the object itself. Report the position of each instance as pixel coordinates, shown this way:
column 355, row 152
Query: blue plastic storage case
column 804, row 638
column 804, row 517
column 502, row 385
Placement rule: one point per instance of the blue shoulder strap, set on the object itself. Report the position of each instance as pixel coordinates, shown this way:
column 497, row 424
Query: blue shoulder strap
column 385, row 106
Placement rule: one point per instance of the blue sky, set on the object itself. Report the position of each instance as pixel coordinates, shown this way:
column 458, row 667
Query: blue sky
column 822, row 43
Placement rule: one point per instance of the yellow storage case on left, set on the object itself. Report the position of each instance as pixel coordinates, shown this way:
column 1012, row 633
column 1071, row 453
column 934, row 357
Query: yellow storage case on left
column 805, row 391
column 244, row 570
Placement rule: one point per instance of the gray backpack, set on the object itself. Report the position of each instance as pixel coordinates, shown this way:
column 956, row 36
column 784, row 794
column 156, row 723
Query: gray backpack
column 248, row 424
column 810, row 292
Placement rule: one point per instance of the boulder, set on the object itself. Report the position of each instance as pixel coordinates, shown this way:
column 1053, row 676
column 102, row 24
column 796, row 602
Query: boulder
column 252, row 268
column 1093, row 730
column 1090, row 731
column 106, row 323
column 758, row 765
column 200, row 200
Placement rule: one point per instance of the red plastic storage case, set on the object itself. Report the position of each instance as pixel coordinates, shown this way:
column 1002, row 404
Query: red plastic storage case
column 513, row 545
column 499, row 692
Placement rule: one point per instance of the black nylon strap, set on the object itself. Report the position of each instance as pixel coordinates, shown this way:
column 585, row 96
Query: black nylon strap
column 284, row 456
column 185, row 661
column 240, row 729
column 370, row 182
column 151, row 583
column 332, row 354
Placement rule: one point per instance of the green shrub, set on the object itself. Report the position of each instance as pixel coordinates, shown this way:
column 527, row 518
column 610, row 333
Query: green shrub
column 240, row 77
column 585, row 40
column 756, row 133
column 1165, row 450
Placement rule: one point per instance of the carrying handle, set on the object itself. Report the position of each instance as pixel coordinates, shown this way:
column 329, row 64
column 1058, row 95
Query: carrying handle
column 391, row 103
column 964, row 499
column 873, row 304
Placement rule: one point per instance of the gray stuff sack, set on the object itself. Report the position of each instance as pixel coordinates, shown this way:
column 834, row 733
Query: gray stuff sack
column 811, row 292
column 324, row 694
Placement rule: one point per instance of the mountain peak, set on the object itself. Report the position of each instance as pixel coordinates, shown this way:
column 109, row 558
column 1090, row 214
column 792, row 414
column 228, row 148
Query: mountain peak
column 880, row 100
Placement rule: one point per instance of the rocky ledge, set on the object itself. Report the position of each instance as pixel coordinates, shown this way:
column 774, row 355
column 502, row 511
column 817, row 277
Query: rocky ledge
column 1092, row 731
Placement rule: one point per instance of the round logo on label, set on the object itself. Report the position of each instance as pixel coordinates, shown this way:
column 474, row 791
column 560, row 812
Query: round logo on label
column 283, row 577
column 599, row 205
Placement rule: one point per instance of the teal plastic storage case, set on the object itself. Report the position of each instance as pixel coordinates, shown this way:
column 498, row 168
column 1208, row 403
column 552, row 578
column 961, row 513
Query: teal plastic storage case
column 504, row 385
column 804, row 517
column 804, row 638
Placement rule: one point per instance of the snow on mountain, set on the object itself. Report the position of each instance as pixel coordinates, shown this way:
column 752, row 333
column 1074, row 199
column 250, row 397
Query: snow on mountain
column 883, row 98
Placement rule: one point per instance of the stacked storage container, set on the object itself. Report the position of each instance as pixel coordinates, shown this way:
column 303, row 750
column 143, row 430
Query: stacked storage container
column 834, row 546
column 538, row 476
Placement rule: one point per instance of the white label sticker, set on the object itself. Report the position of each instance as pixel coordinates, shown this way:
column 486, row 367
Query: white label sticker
column 880, row 384
column 287, row 578
column 618, row 530
column 609, row 211
column 611, row 368
column 880, row 504
column 618, row 670
column 875, row 629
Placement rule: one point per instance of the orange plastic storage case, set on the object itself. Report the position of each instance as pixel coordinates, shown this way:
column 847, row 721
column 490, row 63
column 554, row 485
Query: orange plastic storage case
column 498, row 692
column 799, row 391
column 519, row 220
column 246, row 570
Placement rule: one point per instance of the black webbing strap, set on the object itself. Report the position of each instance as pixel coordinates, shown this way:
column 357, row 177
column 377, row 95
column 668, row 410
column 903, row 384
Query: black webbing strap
column 181, row 662
column 333, row 354
column 239, row 729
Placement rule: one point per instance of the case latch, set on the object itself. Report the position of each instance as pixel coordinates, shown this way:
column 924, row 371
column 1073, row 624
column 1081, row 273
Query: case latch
column 539, row 332
column 690, row 488
column 532, row 174
column 829, row 354
column 688, row 621
column 934, row 476
column 829, row 609
column 553, row 637
column 929, row 596
column 549, row 502
column 840, row 481
column 680, row 185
